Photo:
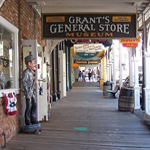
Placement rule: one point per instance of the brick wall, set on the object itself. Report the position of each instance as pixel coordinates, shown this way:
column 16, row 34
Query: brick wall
column 30, row 23
column 9, row 11
column 30, row 28
column 8, row 124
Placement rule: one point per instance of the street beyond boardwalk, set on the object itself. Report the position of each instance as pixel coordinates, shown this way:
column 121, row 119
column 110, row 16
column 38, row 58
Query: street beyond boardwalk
column 85, row 120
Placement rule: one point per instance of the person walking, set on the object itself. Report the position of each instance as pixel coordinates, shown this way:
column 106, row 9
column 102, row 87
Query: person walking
column 89, row 75
column 83, row 76
column 92, row 74
column 79, row 76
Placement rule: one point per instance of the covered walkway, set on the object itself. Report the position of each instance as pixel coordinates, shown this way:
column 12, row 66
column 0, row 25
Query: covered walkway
column 85, row 120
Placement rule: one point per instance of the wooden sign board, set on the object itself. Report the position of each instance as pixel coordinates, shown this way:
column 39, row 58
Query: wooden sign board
column 84, row 26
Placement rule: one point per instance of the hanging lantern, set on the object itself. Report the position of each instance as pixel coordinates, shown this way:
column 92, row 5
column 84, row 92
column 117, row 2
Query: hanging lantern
column 75, row 65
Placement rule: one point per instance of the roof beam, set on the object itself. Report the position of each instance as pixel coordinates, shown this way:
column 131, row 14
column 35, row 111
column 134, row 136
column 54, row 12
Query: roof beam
column 100, row 7
column 137, row 4
column 89, row 4
column 110, row 6
column 108, row 1
column 82, row 9
column 1, row 3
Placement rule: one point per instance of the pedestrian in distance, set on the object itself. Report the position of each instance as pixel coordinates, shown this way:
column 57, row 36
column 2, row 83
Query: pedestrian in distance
column 80, row 76
column 83, row 76
column 89, row 75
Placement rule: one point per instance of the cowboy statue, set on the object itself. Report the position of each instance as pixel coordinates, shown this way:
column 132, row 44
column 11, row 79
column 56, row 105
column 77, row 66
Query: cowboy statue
column 28, row 80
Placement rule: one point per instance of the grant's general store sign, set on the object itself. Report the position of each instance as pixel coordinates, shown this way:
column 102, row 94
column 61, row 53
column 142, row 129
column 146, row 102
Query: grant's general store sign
column 88, row 26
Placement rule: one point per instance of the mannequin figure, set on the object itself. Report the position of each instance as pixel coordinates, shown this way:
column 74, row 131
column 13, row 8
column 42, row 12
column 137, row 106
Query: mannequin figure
column 28, row 85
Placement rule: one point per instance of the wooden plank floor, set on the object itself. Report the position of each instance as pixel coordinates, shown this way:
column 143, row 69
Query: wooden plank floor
column 85, row 120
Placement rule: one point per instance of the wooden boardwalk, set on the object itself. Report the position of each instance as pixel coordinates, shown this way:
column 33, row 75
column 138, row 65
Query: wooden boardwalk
column 85, row 120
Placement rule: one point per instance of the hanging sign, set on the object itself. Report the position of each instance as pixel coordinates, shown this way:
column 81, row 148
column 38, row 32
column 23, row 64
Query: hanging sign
column 87, row 55
column 86, row 61
column 88, row 47
column 130, row 42
column 93, row 62
column 72, row 26
column 81, row 61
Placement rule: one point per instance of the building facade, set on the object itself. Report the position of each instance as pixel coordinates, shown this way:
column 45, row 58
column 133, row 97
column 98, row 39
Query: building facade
column 18, row 22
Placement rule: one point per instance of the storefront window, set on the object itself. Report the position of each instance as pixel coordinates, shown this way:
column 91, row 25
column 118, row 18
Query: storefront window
column 6, row 58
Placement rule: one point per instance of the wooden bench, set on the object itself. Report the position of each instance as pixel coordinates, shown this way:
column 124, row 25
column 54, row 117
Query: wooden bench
column 113, row 92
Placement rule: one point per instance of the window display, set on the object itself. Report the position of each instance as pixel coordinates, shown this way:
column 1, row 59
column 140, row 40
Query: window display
column 6, row 58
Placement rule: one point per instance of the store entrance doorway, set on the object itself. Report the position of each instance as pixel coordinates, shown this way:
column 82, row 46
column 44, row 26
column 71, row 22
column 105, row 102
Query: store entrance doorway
column 30, row 47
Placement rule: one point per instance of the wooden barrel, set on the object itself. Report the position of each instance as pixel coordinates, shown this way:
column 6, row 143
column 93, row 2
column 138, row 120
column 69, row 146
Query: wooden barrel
column 126, row 99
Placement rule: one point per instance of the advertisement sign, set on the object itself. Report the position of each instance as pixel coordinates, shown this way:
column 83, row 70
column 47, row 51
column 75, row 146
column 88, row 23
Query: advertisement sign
column 86, row 62
column 130, row 42
column 87, row 54
column 74, row 26
column 93, row 62
column 88, row 47
column 81, row 61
